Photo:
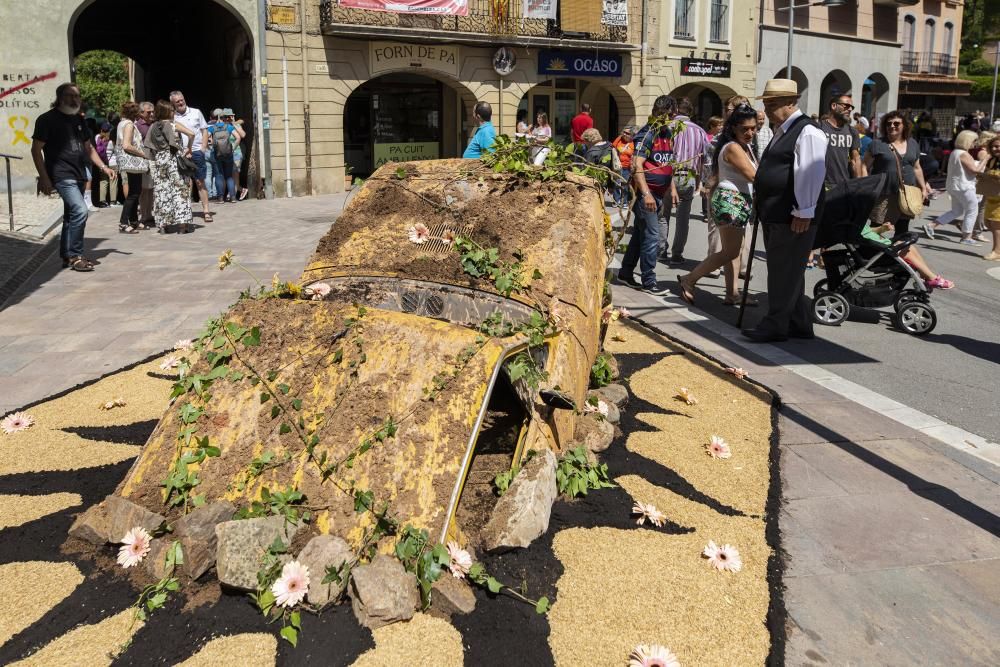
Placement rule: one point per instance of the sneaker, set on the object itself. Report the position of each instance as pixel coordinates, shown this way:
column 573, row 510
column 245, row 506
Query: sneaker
column 92, row 208
column 655, row 290
column 979, row 237
column 939, row 283
column 929, row 230
column 971, row 242
column 677, row 259
column 628, row 279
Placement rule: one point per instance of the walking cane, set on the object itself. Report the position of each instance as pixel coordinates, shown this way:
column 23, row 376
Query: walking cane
column 746, row 275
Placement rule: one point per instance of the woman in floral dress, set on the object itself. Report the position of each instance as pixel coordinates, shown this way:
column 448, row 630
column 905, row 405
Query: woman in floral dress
column 171, row 201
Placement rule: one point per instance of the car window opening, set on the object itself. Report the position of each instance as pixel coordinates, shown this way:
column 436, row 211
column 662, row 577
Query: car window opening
column 494, row 453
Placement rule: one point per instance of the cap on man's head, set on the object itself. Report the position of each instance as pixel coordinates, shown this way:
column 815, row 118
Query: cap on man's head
column 779, row 88
column 227, row 112
column 216, row 112
column 105, row 127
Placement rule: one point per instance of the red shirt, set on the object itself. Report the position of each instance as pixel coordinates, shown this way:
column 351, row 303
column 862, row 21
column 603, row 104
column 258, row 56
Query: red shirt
column 580, row 124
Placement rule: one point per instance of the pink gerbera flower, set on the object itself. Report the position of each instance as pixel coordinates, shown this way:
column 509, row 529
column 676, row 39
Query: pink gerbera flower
column 170, row 363
column 652, row 655
column 419, row 233
column 725, row 558
column 624, row 312
column 16, row 421
column 718, row 448
column 460, row 561
column 686, row 396
column 649, row 513
column 738, row 372
column 183, row 345
column 318, row 291
column 609, row 315
column 448, row 237
column 135, row 546
column 292, row 585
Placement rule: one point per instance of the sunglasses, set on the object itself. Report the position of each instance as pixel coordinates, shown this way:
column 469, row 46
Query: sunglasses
column 897, row 123
column 849, row 107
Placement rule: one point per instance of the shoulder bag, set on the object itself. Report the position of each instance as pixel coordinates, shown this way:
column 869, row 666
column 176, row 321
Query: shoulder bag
column 910, row 197
column 127, row 162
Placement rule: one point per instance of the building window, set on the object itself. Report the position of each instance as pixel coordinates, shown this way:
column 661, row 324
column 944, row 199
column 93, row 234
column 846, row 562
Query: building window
column 929, row 36
column 720, row 22
column 949, row 33
column 684, row 19
column 909, row 33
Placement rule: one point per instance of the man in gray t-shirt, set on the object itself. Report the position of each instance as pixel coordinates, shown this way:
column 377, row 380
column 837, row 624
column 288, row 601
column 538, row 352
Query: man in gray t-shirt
column 843, row 156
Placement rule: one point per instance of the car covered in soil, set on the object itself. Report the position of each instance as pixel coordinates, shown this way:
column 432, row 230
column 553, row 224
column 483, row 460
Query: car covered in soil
column 445, row 326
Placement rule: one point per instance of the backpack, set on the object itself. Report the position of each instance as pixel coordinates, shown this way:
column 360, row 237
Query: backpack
column 220, row 138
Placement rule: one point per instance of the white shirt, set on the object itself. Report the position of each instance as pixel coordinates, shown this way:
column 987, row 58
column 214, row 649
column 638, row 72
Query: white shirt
column 193, row 120
column 763, row 138
column 730, row 177
column 809, row 168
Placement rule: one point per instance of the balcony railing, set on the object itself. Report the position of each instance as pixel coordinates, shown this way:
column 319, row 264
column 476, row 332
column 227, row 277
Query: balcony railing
column 914, row 62
column 479, row 24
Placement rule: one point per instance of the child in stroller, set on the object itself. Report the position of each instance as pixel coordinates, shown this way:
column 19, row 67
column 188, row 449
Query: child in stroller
column 871, row 271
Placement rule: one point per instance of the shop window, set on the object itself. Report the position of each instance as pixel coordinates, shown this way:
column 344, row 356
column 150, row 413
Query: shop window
column 720, row 22
column 684, row 20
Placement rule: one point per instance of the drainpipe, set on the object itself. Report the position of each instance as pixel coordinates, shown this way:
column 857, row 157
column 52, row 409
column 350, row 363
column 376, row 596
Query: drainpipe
column 305, row 93
column 263, row 116
column 284, row 111
column 642, row 41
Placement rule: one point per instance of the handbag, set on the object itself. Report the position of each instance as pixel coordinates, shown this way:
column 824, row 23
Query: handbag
column 911, row 198
column 186, row 166
column 127, row 162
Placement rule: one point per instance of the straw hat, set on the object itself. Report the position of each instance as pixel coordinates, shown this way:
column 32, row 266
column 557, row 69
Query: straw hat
column 779, row 88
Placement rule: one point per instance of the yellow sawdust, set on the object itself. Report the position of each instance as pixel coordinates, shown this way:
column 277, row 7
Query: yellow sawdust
column 18, row 510
column 91, row 645
column 250, row 649
column 623, row 588
column 424, row 640
column 644, row 586
column 46, row 447
column 29, row 590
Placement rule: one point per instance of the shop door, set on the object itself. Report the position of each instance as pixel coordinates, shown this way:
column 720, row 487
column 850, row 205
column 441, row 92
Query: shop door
column 540, row 103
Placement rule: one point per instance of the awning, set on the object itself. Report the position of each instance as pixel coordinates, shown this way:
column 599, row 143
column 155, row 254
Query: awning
column 915, row 84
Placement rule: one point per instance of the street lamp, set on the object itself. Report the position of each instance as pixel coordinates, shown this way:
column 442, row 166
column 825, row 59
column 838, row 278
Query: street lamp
column 996, row 70
column 791, row 23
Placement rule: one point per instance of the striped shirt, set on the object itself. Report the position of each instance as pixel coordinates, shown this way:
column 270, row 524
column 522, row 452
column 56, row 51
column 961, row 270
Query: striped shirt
column 689, row 147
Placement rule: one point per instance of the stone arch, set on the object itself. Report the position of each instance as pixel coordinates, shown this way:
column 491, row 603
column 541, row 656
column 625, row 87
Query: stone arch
column 613, row 107
column 708, row 97
column 836, row 82
column 800, row 78
column 874, row 95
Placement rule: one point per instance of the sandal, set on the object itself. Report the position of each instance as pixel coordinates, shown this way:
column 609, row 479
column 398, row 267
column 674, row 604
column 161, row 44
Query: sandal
column 243, row 194
column 80, row 264
column 738, row 299
column 127, row 229
column 208, row 217
column 687, row 290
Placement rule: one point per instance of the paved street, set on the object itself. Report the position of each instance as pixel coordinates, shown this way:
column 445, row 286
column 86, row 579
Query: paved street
column 950, row 374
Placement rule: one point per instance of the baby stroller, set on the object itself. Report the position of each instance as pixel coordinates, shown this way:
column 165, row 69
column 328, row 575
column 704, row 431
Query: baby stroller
column 864, row 273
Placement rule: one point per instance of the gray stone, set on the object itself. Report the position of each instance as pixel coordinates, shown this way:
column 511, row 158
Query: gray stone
column 451, row 595
column 324, row 551
column 616, row 372
column 613, row 393
column 111, row 519
column 196, row 532
column 382, row 592
column 593, row 433
column 243, row 544
column 154, row 560
column 522, row 513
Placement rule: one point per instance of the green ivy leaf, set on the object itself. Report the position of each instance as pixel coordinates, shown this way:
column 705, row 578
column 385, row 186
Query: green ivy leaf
column 284, row 389
column 290, row 634
column 542, row 605
column 284, row 428
column 297, row 403
column 275, row 411
column 264, row 397
column 493, row 585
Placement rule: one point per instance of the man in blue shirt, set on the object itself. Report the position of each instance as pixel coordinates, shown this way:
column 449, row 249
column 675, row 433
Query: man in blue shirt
column 482, row 140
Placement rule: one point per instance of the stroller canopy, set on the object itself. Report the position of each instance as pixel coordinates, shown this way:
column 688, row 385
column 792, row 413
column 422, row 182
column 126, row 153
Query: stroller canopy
column 848, row 207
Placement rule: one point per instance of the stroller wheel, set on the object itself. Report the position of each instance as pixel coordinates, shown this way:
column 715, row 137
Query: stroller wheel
column 820, row 287
column 909, row 296
column 916, row 318
column 830, row 308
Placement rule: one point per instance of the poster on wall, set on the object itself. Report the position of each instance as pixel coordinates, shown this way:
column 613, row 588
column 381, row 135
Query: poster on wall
column 539, row 9
column 443, row 7
column 615, row 12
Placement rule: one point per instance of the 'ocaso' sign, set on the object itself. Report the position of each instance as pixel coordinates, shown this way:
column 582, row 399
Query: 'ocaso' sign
column 568, row 63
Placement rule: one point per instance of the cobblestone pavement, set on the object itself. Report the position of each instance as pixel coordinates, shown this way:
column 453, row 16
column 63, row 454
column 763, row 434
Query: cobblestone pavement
column 62, row 327
column 32, row 215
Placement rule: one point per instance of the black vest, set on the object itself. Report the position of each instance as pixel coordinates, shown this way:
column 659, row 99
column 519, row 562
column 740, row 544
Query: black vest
column 774, row 185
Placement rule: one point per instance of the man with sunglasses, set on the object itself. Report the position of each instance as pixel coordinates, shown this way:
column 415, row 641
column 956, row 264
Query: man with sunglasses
column 843, row 155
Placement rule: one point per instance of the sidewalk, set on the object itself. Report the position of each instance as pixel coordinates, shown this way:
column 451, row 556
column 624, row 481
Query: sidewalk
column 61, row 328
column 891, row 536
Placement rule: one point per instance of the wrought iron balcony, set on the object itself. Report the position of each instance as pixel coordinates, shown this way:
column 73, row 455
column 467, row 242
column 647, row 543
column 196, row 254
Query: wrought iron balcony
column 913, row 62
column 488, row 21
column 910, row 62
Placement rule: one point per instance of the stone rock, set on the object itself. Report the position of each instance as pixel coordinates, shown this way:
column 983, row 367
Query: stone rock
column 522, row 513
column 196, row 532
column 614, row 413
column 109, row 520
column 613, row 365
column 594, row 434
column 613, row 393
column 243, row 544
column 321, row 552
column 451, row 595
column 154, row 560
column 382, row 592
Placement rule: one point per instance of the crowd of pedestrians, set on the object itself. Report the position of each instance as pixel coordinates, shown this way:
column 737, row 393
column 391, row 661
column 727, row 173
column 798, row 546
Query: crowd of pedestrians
column 148, row 160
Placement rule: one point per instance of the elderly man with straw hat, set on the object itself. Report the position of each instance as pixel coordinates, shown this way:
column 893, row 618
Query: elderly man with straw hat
column 788, row 190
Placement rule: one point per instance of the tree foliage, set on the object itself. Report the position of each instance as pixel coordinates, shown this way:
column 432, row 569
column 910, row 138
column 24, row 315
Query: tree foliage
column 103, row 80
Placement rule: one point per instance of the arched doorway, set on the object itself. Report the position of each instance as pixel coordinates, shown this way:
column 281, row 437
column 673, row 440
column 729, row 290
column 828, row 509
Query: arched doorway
column 799, row 77
column 707, row 97
column 611, row 106
column 835, row 83
column 875, row 95
column 403, row 117
column 201, row 47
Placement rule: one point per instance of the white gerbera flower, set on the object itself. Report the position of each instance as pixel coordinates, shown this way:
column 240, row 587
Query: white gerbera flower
column 135, row 546
column 460, row 560
column 291, row 587
column 725, row 558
